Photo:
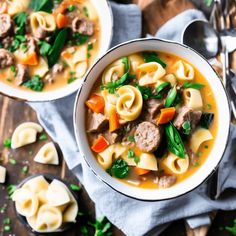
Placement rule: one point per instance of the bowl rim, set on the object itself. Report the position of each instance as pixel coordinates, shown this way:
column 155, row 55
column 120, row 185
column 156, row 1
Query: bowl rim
column 77, row 87
column 76, row 131
column 49, row 178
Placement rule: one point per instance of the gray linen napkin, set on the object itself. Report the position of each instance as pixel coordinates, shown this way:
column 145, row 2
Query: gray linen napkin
column 133, row 217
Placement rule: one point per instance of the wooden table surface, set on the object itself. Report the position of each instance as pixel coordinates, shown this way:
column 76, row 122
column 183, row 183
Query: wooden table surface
column 15, row 112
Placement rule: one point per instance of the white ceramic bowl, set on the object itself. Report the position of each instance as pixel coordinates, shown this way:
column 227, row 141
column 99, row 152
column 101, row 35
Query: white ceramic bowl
column 223, row 125
column 106, row 25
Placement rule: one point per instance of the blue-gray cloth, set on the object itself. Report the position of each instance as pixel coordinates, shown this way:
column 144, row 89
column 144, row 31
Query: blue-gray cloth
column 133, row 217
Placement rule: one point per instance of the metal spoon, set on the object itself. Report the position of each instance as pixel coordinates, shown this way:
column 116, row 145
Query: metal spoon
column 204, row 39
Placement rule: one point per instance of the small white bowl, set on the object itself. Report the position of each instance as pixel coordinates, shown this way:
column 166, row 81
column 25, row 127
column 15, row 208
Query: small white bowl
column 106, row 26
column 218, row 149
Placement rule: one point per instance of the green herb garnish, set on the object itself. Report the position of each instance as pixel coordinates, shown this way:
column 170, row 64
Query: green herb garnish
column 13, row 69
column 209, row 106
column 174, row 141
column 171, row 97
column 43, row 5
column 83, row 229
column 44, row 48
column 125, row 61
column 7, row 143
column 86, row 12
column 206, row 146
column 12, row 161
column 193, row 85
column 148, row 92
column 25, row 169
column 70, row 80
column 43, row 137
column 79, row 39
column 162, row 86
column 71, row 8
column 7, row 228
column 153, row 57
column 36, row 83
column 102, row 227
column 11, row 189
column 20, row 21
column 131, row 138
column 119, row 169
column 186, row 127
column 90, row 46
column 131, row 154
column 232, row 229
column 75, row 187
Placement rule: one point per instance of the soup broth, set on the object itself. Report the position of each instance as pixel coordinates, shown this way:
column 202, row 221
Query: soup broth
column 151, row 119
column 44, row 48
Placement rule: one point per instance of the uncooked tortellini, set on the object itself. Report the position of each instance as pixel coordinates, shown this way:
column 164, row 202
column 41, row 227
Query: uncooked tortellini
column 47, row 154
column 24, row 134
column 129, row 103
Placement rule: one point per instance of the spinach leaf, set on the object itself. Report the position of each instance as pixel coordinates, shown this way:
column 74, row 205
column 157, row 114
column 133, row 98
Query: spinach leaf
column 171, row 97
column 55, row 51
column 193, row 85
column 147, row 92
column 174, row 141
column 153, row 57
column 42, row 5
column 119, row 169
column 206, row 120
column 35, row 83
column 20, row 21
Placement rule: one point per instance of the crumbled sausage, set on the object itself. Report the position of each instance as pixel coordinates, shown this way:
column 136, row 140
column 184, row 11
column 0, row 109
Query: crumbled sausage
column 187, row 114
column 40, row 33
column 148, row 136
column 7, row 41
column 167, row 181
column 6, row 25
column 6, row 58
column 154, row 106
column 96, row 122
column 83, row 26
column 21, row 74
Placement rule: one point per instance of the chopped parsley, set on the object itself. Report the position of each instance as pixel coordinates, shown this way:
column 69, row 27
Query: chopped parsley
column 199, row 154
column 86, row 12
column 36, row 84
column 119, row 169
column 209, row 106
column 131, row 138
column 75, row 187
column 71, row 8
column 186, row 127
column 43, row 137
column 11, row 188
column 79, row 39
column 6, row 221
column 102, row 227
column 153, row 57
column 12, row 161
column 7, row 228
column 44, row 48
column 90, row 46
column 206, row 146
column 25, row 169
column 13, row 69
column 148, row 92
column 20, row 21
column 131, row 155
column 7, row 143
column 71, row 79
column 232, row 229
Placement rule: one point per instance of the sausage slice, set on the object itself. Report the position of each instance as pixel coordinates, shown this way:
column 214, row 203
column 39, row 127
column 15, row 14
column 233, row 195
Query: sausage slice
column 147, row 136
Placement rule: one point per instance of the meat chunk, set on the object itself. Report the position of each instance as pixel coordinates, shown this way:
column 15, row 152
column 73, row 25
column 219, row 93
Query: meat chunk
column 57, row 69
column 6, row 58
column 154, row 106
column 96, row 122
column 7, row 41
column 40, row 33
column 83, row 26
column 167, row 181
column 111, row 137
column 21, row 74
column 147, row 136
column 187, row 114
column 6, row 25
column 192, row 156
column 31, row 44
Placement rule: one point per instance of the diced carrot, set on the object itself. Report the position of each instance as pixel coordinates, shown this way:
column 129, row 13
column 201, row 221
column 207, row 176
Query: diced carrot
column 100, row 144
column 31, row 59
column 114, row 123
column 167, row 114
column 137, row 151
column 66, row 55
column 3, row 7
column 96, row 103
column 140, row 171
column 61, row 20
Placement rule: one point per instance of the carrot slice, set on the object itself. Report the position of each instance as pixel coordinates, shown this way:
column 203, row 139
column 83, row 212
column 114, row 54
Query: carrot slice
column 140, row 171
column 96, row 103
column 31, row 59
column 61, row 20
column 114, row 123
column 100, row 144
column 167, row 114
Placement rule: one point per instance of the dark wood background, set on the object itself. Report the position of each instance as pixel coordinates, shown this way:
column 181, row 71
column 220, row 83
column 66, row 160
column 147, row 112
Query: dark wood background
column 15, row 112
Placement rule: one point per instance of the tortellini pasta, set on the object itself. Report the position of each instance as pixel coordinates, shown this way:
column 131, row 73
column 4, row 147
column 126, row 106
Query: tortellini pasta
column 40, row 69
column 199, row 136
column 176, row 164
column 24, row 134
column 148, row 161
column 183, row 70
column 171, row 79
column 3, row 173
column 47, row 154
column 150, row 73
column 42, row 20
column 17, row 6
column 135, row 61
column 106, row 157
column 26, row 202
column 129, row 103
column 113, row 72
column 46, row 206
column 193, row 98
column 110, row 101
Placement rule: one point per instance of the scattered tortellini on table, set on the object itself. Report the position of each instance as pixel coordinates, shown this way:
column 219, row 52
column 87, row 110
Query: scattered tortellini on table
column 3, row 173
column 46, row 206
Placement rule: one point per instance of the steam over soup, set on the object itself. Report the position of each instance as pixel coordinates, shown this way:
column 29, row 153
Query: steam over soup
column 151, row 120
column 46, row 44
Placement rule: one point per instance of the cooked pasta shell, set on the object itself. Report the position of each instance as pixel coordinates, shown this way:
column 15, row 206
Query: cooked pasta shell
column 135, row 60
column 175, row 164
column 17, row 6
column 199, row 136
column 24, row 134
column 193, row 98
column 129, row 103
column 150, row 73
column 47, row 154
column 147, row 161
column 40, row 69
column 183, row 70
column 26, row 202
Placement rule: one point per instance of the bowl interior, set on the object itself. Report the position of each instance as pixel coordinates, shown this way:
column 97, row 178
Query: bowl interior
column 223, row 118
column 106, row 24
